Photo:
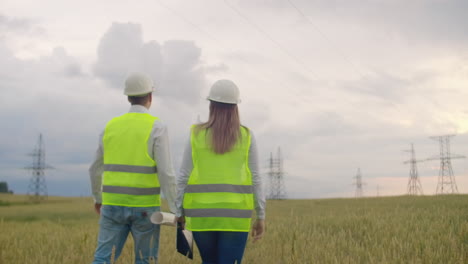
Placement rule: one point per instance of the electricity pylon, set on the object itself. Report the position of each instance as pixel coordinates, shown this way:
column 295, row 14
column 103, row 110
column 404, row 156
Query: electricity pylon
column 359, row 184
column 37, row 190
column 276, row 177
column 414, row 185
column 446, row 182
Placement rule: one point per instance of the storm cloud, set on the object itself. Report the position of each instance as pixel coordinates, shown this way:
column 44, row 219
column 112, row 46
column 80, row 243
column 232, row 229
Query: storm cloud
column 175, row 65
column 336, row 84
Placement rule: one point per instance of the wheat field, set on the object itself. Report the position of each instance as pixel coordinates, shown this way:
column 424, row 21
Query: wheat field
column 429, row 229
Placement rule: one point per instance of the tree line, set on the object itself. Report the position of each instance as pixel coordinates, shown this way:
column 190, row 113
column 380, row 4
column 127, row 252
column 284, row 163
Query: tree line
column 4, row 188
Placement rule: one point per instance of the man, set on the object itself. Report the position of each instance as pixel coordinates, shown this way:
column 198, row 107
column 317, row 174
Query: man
column 133, row 163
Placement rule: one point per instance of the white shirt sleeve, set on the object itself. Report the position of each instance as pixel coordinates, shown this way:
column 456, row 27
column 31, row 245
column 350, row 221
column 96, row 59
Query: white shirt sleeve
column 95, row 172
column 259, row 196
column 187, row 166
column 183, row 177
column 159, row 149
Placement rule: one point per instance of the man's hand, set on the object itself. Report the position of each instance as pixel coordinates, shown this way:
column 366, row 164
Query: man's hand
column 97, row 208
column 181, row 220
column 258, row 229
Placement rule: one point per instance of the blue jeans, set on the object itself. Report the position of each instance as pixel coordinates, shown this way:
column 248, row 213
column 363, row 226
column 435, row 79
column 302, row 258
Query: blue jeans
column 115, row 224
column 221, row 247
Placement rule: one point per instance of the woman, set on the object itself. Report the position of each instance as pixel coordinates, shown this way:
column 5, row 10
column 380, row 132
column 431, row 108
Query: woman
column 219, row 183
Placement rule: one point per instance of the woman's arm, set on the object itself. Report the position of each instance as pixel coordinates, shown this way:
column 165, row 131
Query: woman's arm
column 259, row 196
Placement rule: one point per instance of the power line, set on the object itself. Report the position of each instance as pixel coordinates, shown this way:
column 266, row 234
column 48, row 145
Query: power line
column 186, row 20
column 266, row 35
column 337, row 50
column 219, row 42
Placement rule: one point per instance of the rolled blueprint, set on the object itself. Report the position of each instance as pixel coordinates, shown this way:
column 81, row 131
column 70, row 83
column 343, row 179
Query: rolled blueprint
column 184, row 238
column 163, row 218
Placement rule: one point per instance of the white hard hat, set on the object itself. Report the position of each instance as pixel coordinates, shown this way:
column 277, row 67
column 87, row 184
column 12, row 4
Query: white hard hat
column 138, row 84
column 224, row 91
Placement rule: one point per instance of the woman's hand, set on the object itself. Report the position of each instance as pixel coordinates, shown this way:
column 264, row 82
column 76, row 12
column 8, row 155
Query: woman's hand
column 258, row 229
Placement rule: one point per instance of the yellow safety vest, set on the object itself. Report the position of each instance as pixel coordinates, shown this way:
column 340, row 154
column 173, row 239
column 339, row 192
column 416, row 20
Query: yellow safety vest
column 219, row 194
column 130, row 174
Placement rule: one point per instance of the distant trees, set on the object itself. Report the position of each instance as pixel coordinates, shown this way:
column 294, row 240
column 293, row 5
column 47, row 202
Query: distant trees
column 4, row 187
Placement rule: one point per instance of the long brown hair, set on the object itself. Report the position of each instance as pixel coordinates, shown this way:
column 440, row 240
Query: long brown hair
column 224, row 126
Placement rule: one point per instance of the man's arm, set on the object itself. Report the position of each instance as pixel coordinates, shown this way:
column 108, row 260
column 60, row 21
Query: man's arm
column 183, row 177
column 95, row 173
column 162, row 155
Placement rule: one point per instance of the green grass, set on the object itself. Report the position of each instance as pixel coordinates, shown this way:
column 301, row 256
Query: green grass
column 430, row 229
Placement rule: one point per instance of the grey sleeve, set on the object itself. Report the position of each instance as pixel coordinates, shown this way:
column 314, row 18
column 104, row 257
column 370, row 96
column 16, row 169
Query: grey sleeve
column 183, row 177
column 161, row 152
column 95, row 172
column 259, row 196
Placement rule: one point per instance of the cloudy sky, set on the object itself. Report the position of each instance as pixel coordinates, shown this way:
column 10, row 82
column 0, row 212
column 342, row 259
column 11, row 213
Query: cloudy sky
column 338, row 85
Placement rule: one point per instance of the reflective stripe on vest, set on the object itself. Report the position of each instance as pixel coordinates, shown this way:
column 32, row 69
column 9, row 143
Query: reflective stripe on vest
column 206, row 188
column 235, row 213
column 219, row 192
column 130, row 190
column 130, row 174
column 130, row 168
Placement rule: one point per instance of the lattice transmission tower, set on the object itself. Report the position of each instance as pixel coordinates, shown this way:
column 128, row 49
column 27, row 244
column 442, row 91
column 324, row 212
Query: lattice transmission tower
column 276, row 177
column 37, row 190
column 446, row 183
column 359, row 192
column 414, row 185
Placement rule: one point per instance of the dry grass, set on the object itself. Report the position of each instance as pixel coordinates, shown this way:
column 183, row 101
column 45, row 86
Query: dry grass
column 432, row 229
